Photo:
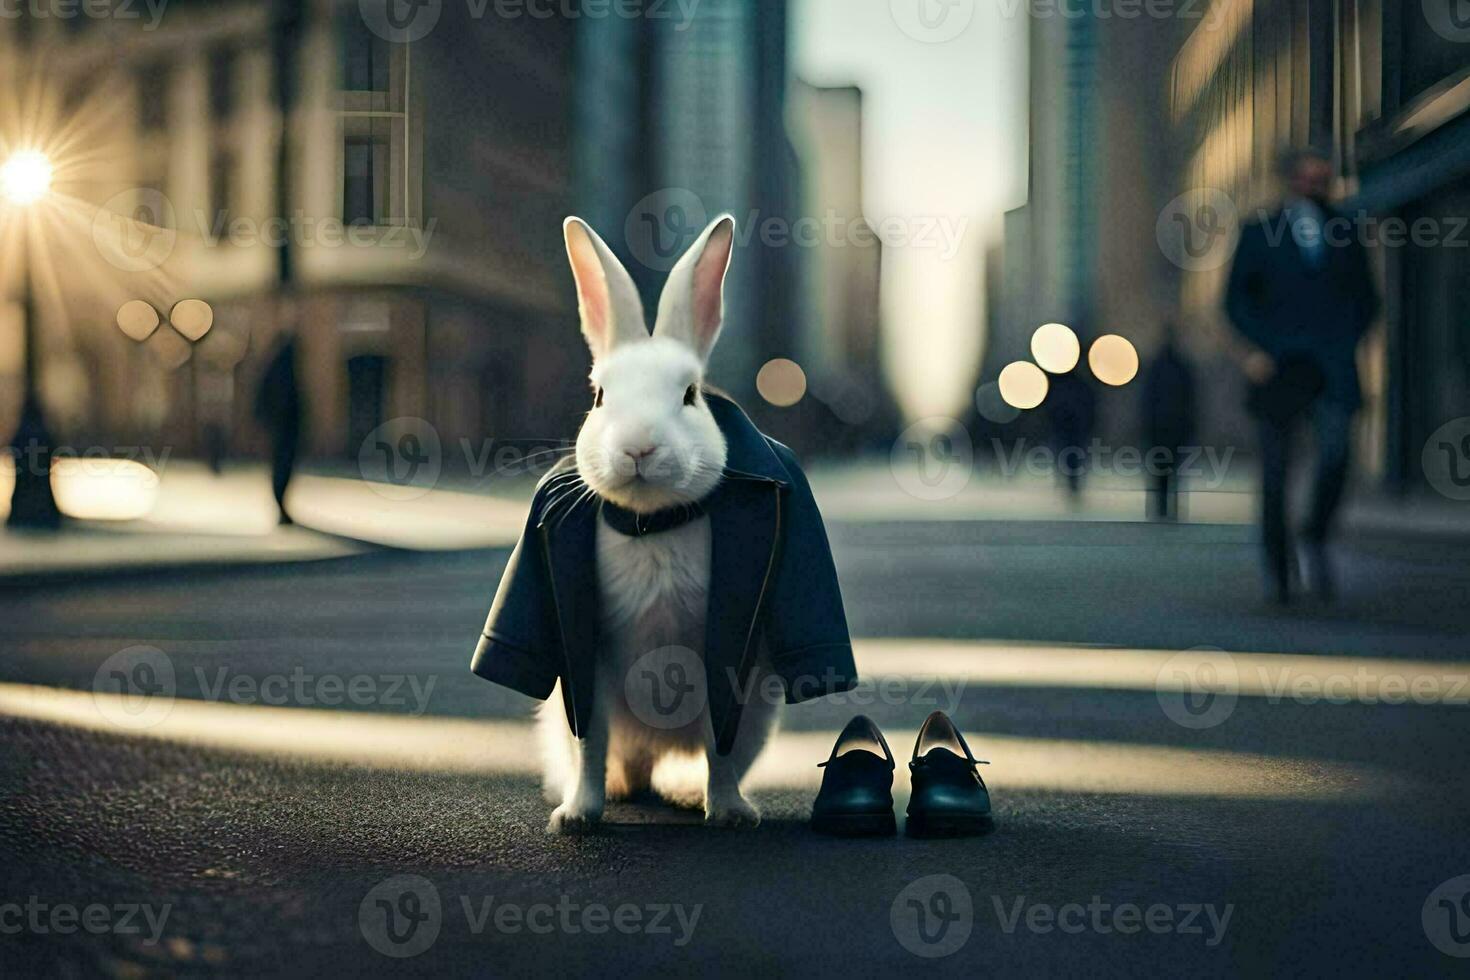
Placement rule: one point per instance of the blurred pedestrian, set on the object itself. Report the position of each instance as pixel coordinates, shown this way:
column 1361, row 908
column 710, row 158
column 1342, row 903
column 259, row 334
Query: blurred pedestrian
column 1301, row 295
column 1169, row 423
column 215, row 391
column 278, row 408
column 1071, row 410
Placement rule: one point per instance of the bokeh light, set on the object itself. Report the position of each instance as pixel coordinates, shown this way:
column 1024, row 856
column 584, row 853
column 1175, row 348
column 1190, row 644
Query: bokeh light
column 138, row 319
column 1023, row 384
column 1113, row 360
column 781, row 381
column 1055, row 347
column 192, row 318
column 25, row 177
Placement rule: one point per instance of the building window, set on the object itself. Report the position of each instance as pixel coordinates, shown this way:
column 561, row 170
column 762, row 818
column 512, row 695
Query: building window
column 367, row 389
column 222, row 83
column 365, row 56
column 377, row 187
column 365, row 181
column 221, row 188
column 372, row 170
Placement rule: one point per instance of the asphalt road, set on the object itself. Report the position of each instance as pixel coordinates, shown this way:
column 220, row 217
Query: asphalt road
column 1323, row 849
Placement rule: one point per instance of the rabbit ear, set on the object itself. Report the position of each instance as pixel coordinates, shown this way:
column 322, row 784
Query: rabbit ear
column 608, row 301
column 692, row 306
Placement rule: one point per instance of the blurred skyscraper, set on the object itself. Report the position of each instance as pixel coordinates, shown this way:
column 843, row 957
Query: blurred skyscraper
column 680, row 119
column 1081, row 250
column 839, row 345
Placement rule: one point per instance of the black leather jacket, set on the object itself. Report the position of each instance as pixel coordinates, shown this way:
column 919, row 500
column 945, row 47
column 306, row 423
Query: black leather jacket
column 773, row 588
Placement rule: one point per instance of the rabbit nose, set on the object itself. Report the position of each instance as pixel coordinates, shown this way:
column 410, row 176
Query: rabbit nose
column 638, row 454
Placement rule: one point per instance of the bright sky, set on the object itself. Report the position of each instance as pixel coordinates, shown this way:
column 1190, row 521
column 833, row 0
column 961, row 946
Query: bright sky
column 944, row 140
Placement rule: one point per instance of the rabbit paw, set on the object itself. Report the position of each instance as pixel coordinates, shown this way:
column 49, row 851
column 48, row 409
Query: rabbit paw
column 733, row 811
column 570, row 818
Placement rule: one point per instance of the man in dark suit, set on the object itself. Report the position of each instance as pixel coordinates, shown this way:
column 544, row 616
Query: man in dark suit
column 1301, row 295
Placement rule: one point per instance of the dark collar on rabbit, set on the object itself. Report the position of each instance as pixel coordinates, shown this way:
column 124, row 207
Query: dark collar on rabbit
column 636, row 525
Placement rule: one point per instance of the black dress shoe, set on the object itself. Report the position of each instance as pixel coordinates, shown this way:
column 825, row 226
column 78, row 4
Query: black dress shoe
column 856, row 799
column 949, row 798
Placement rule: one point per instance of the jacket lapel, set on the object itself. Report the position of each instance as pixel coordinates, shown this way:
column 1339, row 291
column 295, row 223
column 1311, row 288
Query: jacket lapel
column 744, row 530
column 570, row 538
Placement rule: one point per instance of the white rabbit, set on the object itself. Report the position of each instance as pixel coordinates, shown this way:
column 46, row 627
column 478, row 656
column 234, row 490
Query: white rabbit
column 649, row 443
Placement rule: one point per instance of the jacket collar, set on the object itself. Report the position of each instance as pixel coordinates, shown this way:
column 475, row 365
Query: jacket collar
column 748, row 453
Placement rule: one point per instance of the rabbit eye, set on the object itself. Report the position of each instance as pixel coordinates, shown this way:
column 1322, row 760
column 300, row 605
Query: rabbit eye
column 689, row 394
column 597, row 402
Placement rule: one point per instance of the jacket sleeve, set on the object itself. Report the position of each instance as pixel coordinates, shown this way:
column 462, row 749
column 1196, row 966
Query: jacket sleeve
column 806, row 625
column 1242, row 290
column 520, row 647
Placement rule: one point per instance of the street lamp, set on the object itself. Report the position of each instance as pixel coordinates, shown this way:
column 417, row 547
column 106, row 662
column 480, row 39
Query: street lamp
column 24, row 180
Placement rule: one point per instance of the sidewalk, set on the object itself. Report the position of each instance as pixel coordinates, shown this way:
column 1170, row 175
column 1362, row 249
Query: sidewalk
column 190, row 516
